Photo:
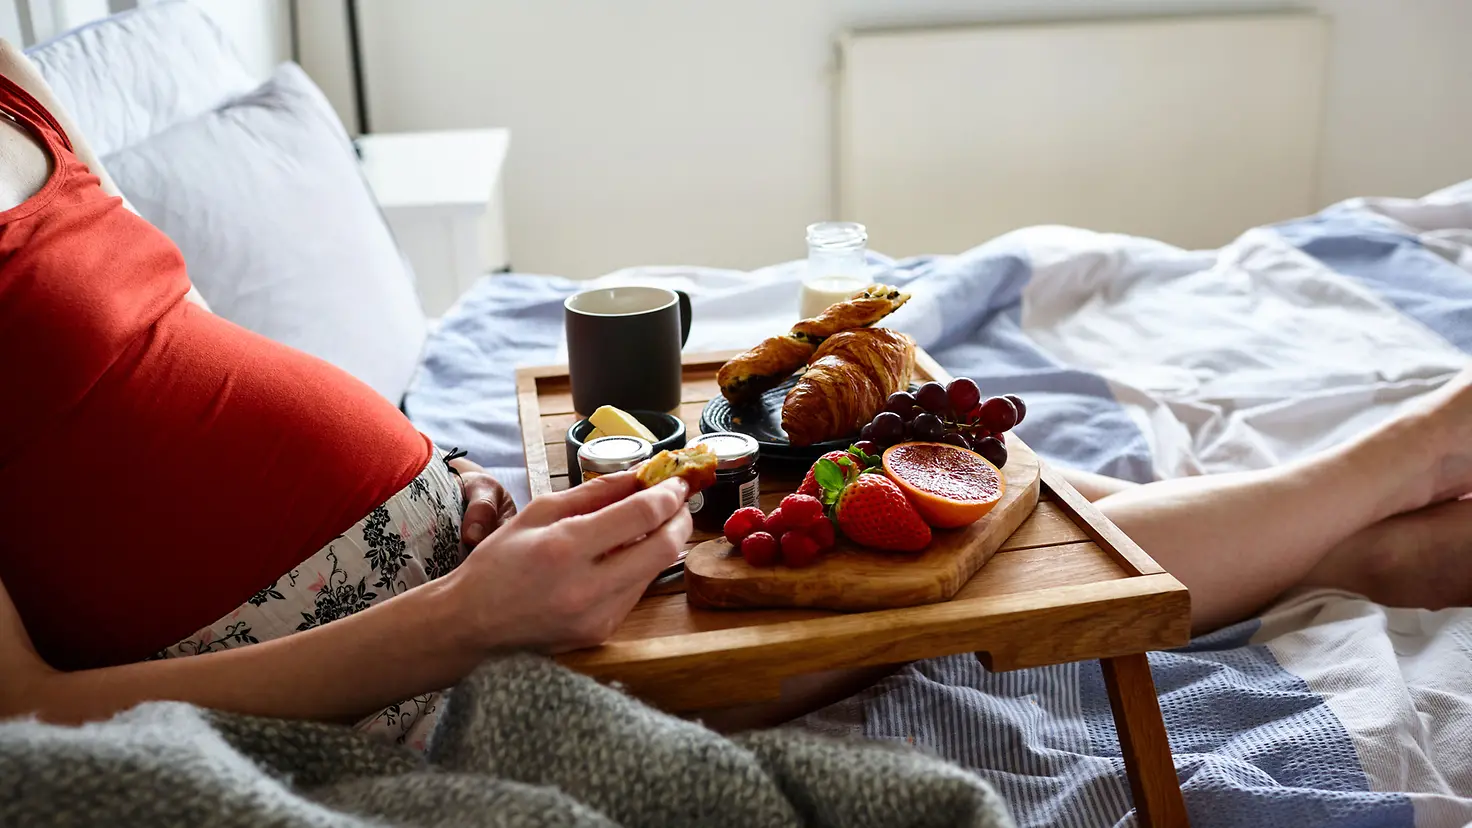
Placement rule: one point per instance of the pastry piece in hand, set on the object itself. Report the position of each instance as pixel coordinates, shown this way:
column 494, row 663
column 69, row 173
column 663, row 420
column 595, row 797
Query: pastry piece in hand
column 851, row 376
column 746, row 376
column 696, row 465
column 867, row 307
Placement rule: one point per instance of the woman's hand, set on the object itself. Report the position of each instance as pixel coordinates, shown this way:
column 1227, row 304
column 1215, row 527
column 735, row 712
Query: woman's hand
column 487, row 504
column 563, row 574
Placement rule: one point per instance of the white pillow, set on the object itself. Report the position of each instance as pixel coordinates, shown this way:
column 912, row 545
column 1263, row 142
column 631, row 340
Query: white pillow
column 135, row 74
column 279, row 229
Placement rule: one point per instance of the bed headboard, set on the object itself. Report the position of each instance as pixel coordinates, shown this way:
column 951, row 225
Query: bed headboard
column 1184, row 129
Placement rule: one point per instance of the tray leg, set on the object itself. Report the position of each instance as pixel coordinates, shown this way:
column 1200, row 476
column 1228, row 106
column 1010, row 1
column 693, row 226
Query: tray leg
column 1142, row 739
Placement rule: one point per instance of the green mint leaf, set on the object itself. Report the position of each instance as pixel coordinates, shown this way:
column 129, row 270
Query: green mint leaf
column 829, row 475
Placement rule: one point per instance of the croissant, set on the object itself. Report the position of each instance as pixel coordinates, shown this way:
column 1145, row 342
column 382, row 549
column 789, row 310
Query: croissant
column 746, row 376
column 868, row 306
column 847, row 383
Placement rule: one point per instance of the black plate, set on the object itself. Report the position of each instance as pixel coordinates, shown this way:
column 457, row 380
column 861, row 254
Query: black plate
column 763, row 421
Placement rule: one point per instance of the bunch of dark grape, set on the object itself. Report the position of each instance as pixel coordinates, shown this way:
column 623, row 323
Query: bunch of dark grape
column 953, row 413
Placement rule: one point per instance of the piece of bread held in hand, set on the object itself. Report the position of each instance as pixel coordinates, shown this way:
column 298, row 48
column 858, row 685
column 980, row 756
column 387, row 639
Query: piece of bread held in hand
column 696, row 465
column 851, row 376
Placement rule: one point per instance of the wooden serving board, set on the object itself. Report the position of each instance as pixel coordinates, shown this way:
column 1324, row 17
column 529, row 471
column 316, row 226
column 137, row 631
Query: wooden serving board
column 853, row 578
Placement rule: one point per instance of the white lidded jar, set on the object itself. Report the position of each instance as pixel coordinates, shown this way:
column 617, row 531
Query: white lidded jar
column 837, row 267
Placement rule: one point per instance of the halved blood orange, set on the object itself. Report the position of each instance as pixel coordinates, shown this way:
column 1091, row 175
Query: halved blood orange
column 948, row 485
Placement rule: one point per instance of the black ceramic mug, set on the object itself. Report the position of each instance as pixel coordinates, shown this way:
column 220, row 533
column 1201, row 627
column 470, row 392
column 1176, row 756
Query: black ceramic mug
column 623, row 347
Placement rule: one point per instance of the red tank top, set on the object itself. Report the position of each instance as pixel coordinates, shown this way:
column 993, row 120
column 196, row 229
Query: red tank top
column 158, row 464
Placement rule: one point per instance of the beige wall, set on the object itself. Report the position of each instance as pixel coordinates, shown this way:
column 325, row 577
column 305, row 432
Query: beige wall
column 671, row 131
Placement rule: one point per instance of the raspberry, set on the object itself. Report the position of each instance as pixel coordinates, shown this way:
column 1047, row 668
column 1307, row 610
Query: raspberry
column 743, row 522
column 799, row 549
column 823, row 533
column 777, row 523
column 760, row 549
column 801, row 510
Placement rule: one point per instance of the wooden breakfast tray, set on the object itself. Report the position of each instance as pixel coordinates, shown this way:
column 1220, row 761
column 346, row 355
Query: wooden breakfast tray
column 1086, row 589
column 1066, row 586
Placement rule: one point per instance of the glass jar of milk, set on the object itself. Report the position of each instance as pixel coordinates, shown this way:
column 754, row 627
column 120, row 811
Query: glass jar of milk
column 836, row 265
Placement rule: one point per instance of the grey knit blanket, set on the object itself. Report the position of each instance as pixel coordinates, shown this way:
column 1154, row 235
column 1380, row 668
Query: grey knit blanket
column 522, row 742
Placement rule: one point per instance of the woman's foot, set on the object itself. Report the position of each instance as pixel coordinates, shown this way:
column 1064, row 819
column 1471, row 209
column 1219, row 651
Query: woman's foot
column 1417, row 559
column 1429, row 447
column 1446, row 416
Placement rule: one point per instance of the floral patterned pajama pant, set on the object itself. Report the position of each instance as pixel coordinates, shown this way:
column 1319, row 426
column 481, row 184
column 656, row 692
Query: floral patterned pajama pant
column 410, row 539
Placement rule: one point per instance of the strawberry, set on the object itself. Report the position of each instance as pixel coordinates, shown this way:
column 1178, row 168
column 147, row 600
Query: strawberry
column 760, row 549
column 743, row 522
column 799, row 549
column 851, row 462
column 801, row 510
column 872, row 511
column 823, row 533
column 810, row 485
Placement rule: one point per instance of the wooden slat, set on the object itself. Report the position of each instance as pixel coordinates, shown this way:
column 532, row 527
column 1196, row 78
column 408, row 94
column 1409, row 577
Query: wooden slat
column 1041, row 567
column 1048, row 526
column 556, row 393
column 528, row 409
column 555, row 426
column 1092, row 521
column 556, row 459
column 731, row 666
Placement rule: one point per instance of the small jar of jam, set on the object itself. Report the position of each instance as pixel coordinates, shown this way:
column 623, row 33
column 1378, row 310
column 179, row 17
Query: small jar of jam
column 737, row 482
column 607, row 455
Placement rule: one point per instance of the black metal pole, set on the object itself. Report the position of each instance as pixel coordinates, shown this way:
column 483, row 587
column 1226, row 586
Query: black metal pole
column 355, row 52
column 296, row 31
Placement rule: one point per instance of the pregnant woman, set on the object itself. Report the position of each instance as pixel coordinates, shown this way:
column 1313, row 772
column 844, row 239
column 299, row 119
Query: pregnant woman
column 194, row 512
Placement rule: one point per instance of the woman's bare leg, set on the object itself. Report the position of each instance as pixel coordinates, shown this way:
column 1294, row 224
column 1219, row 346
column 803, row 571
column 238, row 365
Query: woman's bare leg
column 1094, row 486
column 1417, row 559
column 1239, row 540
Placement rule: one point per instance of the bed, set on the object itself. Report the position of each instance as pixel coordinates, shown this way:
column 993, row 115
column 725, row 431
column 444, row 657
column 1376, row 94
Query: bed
column 1138, row 359
column 1143, row 361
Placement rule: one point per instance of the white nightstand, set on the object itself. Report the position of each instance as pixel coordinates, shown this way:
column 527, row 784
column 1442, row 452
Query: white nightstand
column 441, row 195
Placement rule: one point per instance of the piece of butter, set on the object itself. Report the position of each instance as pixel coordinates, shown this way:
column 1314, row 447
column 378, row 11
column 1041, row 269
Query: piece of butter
column 615, row 423
column 594, row 435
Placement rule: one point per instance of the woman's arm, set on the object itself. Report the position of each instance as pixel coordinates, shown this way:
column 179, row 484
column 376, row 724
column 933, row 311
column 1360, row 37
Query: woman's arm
column 559, row 576
column 338, row 672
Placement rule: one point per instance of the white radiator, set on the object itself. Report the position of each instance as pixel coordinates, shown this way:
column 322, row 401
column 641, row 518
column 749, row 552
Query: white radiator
column 1185, row 129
